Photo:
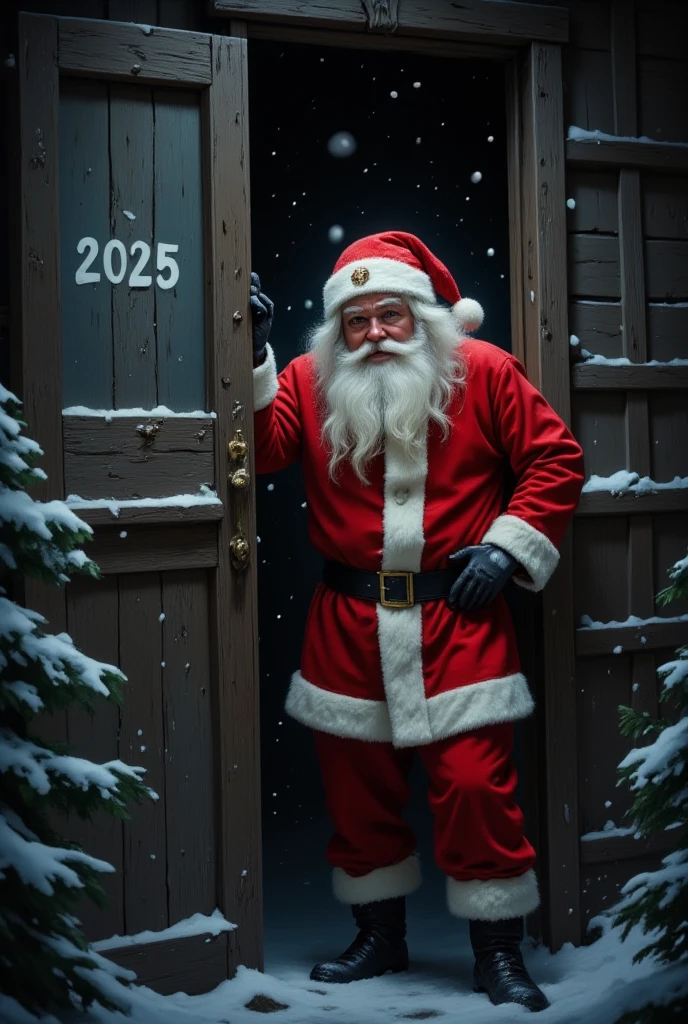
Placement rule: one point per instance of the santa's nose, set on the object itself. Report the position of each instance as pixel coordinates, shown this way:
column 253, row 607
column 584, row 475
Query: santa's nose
column 375, row 330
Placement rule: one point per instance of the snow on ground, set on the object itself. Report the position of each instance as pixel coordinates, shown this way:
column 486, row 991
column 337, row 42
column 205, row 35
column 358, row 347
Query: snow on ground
column 595, row 983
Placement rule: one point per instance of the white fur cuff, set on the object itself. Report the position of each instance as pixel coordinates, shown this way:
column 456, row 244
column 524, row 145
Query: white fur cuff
column 381, row 884
column 531, row 548
column 493, row 899
column 265, row 382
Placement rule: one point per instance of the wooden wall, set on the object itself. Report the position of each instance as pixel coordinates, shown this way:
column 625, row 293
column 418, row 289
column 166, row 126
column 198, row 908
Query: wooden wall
column 625, row 75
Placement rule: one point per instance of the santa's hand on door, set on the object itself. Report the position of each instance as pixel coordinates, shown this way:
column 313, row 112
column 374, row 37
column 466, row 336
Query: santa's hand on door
column 486, row 573
column 262, row 310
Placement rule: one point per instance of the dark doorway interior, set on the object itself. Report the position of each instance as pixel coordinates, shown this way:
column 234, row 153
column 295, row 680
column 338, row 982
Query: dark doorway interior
column 410, row 167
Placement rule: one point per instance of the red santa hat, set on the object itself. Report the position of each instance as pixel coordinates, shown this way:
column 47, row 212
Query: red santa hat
column 396, row 261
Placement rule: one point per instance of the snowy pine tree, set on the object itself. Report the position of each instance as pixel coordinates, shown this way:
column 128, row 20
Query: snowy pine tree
column 45, row 964
column 658, row 775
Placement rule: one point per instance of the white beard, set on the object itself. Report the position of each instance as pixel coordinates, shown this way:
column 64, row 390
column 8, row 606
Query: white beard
column 366, row 401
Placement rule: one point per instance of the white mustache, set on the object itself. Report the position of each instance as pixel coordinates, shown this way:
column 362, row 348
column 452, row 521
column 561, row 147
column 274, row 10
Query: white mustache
column 368, row 348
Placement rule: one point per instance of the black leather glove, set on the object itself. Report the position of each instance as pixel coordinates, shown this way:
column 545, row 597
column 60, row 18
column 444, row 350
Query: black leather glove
column 262, row 310
column 488, row 569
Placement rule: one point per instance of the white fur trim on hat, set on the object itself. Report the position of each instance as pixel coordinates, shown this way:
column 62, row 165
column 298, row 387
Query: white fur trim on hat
column 384, row 275
column 469, row 314
column 379, row 884
column 493, row 899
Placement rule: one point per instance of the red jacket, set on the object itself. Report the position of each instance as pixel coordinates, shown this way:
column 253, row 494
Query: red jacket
column 414, row 675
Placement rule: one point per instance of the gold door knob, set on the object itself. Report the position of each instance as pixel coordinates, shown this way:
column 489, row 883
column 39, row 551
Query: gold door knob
column 240, row 478
column 239, row 550
column 237, row 447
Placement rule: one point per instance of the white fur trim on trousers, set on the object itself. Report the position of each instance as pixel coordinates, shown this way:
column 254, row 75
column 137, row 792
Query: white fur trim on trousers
column 380, row 884
column 493, row 899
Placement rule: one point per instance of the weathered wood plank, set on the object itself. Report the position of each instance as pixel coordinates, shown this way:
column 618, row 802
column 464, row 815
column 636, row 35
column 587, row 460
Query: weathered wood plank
column 665, row 207
column 623, row 503
column 594, row 266
column 473, row 19
column 137, row 435
column 36, row 370
column 667, row 331
column 594, row 193
column 547, row 362
column 162, row 514
column 587, row 377
column 602, row 851
column 662, row 98
column 597, row 325
column 179, row 221
column 142, row 742
column 435, row 46
column 233, row 605
column 92, row 623
column 188, row 745
column 135, row 53
column 155, row 547
column 665, row 157
column 85, row 213
column 667, row 269
column 145, row 475
column 193, row 965
column 133, row 309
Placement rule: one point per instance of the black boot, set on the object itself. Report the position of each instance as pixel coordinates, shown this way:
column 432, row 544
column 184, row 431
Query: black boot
column 379, row 947
column 499, row 968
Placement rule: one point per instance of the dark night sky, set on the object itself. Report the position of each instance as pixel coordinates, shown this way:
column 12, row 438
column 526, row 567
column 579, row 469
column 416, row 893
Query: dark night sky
column 299, row 97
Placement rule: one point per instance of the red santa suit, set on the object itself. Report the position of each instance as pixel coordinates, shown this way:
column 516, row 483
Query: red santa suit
column 377, row 682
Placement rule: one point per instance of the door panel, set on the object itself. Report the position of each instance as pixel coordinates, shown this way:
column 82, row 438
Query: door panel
column 148, row 155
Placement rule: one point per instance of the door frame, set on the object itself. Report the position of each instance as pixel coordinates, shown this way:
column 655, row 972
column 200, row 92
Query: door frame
column 214, row 65
column 527, row 40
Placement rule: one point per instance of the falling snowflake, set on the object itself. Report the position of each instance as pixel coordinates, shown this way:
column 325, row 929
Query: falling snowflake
column 490, row 138
column 341, row 144
column 394, row 94
column 271, row 487
column 571, row 203
column 490, row 252
column 308, row 304
column 336, row 233
column 476, row 176
column 416, row 85
column 123, row 533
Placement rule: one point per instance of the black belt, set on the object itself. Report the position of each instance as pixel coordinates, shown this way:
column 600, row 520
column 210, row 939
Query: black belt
column 389, row 588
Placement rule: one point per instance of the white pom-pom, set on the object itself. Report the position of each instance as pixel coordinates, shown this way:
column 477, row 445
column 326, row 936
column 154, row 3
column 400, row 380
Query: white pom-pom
column 469, row 314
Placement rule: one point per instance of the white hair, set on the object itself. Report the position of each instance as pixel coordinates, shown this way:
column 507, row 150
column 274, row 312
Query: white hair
column 361, row 402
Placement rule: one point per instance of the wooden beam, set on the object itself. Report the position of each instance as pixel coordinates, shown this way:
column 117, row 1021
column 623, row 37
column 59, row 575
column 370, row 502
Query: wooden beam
column 432, row 47
column 545, row 304
column 623, row 503
column 194, row 965
column 151, row 548
column 602, row 851
column 598, row 377
column 36, row 334
column 664, row 157
column 133, row 53
column 234, row 600
column 592, row 643
column 470, row 20
column 148, row 515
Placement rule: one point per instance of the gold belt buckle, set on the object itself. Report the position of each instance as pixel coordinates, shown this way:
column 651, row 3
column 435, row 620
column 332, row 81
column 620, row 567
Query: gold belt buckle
column 385, row 601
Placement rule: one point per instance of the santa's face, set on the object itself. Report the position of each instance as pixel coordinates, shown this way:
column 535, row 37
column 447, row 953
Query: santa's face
column 386, row 366
column 369, row 322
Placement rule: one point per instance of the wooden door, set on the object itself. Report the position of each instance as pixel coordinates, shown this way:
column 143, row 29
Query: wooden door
column 131, row 352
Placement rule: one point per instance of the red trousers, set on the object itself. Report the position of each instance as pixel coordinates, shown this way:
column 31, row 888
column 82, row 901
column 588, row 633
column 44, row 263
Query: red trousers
column 478, row 827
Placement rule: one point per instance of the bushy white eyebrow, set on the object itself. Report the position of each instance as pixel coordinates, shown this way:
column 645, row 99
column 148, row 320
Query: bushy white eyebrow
column 391, row 301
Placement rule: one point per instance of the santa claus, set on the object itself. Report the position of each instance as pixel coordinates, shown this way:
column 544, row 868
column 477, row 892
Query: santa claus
column 405, row 428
